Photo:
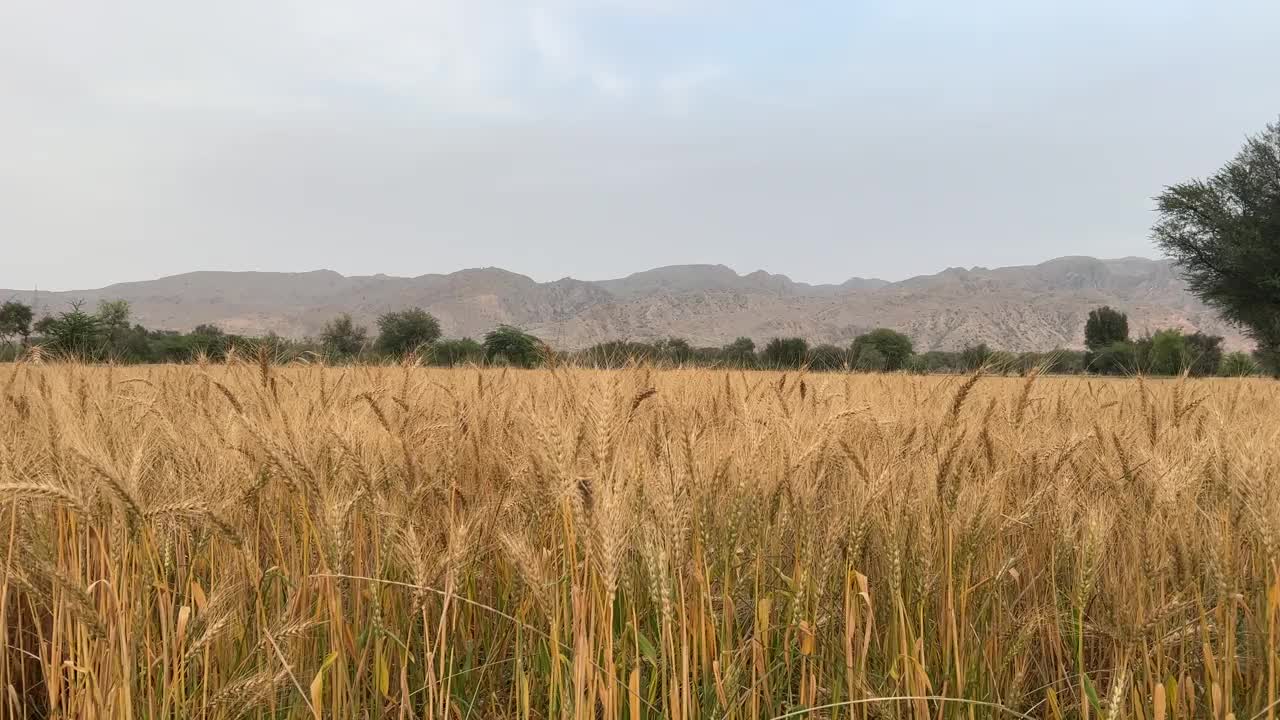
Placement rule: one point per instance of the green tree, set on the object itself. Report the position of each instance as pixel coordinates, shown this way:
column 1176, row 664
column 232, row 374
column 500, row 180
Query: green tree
column 740, row 352
column 1205, row 353
column 1237, row 364
column 1224, row 234
column 208, row 330
column 973, row 357
column 1118, row 358
column 209, row 339
column 870, row 359
column 113, row 321
column 513, row 346
column 828, row 358
column 786, row 352
column 342, row 337
column 114, row 315
column 1105, row 327
column 616, row 354
column 15, row 321
column 403, row 332
column 674, row 350
column 1168, row 353
column 75, row 332
column 456, row 352
column 894, row 347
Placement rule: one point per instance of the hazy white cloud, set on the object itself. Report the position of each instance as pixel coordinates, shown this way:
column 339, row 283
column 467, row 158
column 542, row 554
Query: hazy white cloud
column 565, row 57
column 680, row 88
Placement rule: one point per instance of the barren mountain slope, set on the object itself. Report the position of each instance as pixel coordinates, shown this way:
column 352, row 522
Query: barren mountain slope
column 1034, row 307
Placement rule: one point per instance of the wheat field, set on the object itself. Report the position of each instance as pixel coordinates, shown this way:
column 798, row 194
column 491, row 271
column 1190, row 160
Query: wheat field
column 249, row 540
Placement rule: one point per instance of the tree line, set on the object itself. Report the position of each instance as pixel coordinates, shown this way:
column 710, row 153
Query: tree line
column 1222, row 232
column 108, row 334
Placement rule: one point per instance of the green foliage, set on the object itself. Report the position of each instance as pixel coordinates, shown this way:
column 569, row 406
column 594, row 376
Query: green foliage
column 513, row 346
column 1118, row 358
column 1205, row 353
column 75, row 332
column 973, row 357
column 462, row 351
column 893, row 347
column 119, row 341
column 676, row 351
column 1237, row 364
column 828, row 358
column 740, row 353
column 15, row 321
column 1224, row 233
column 1059, row 362
column 406, row 331
column 786, row 352
column 343, row 338
column 210, row 340
column 616, row 354
column 1105, row 327
column 1168, row 354
column 114, row 315
column 870, row 359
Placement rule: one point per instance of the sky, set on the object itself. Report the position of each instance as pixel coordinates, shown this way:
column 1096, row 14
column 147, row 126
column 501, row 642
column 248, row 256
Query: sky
column 595, row 138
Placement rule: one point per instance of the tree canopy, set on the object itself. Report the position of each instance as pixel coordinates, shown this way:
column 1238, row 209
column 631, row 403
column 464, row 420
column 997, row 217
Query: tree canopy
column 513, row 346
column 892, row 350
column 342, row 337
column 786, row 352
column 405, row 331
column 15, row 320
column 1105, row 327
column 1224, row 234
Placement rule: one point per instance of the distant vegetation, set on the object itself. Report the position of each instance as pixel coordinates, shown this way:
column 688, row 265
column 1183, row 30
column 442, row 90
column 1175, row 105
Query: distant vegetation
column 1223, row 232
column 108, row 335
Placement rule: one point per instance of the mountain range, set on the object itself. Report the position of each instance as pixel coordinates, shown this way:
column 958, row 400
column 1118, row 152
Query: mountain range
column 1030, row 307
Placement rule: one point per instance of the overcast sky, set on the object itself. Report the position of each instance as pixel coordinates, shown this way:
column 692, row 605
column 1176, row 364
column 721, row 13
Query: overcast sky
column 593, row 138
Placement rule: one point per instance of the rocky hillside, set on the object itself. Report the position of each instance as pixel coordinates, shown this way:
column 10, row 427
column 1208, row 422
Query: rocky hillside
column 1034, row 307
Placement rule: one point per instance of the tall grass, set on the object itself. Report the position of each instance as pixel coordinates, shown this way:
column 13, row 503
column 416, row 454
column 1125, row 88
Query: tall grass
column 247, row 540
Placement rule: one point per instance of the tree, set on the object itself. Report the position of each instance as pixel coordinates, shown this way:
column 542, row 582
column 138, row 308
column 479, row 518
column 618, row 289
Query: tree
column 456, row 352
column 1168, row 353
column 113, row 321
column 342, row 337
column 828, row 357
column 1105, row 327
column 785, row 352
column 209, row 339
column 208, row 330
column 740, row 352
column 870, row 359
column 75, row 332
column 973, row 357
column 675, row 350
column 1118, row 358
column 114, row 315
column 1205, row 353
column 1237, row 364
column 894, row 347
column 1224, row 234
column 513, row 346
column 15, row 321
column 400, row 333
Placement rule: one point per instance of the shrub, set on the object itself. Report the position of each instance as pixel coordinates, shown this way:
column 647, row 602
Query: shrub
column 892, row 347
column 512, row 346
column 406, row 331
column 785, row 353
